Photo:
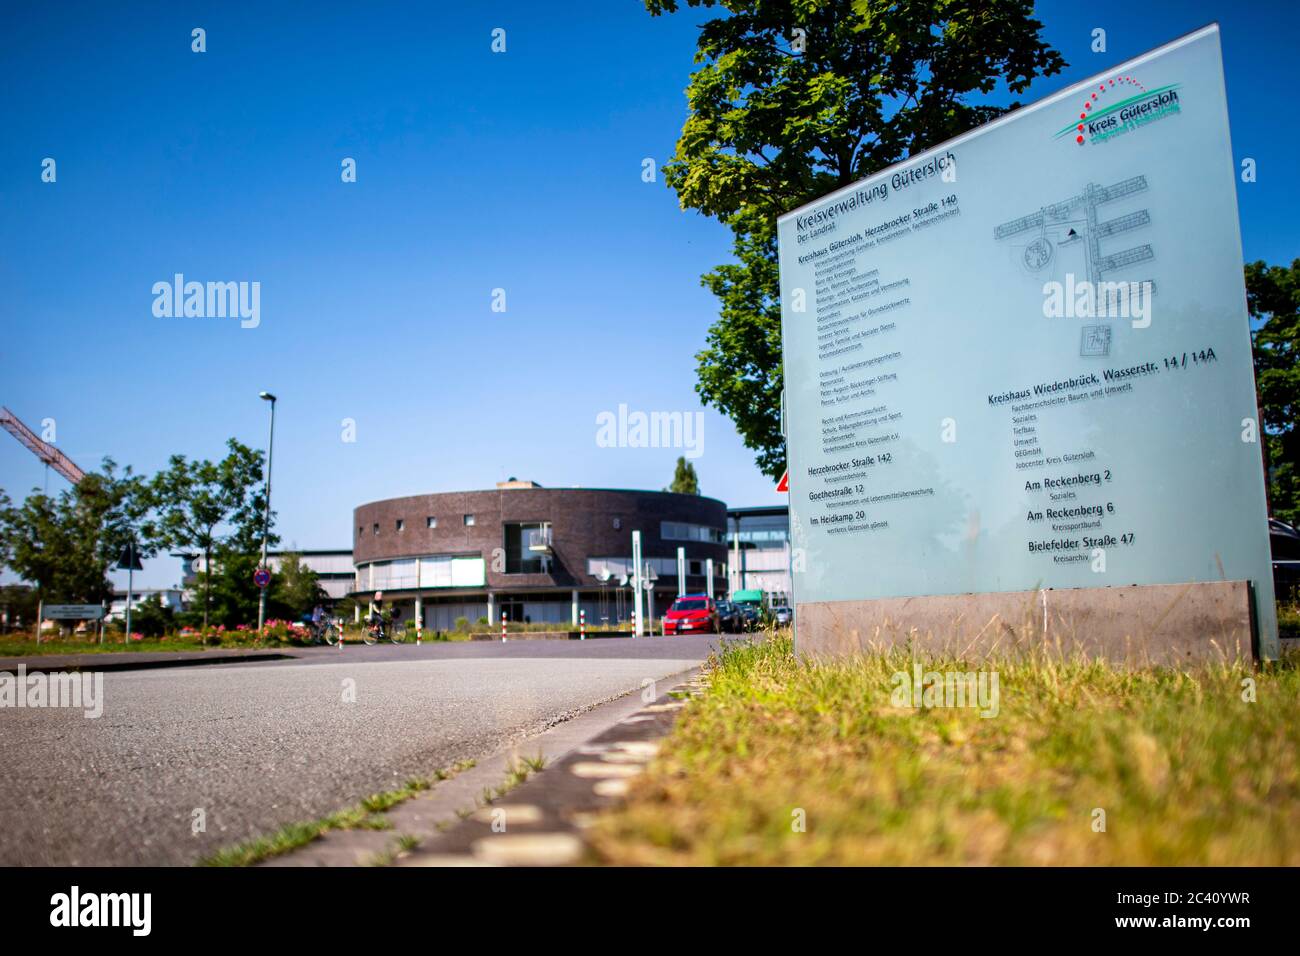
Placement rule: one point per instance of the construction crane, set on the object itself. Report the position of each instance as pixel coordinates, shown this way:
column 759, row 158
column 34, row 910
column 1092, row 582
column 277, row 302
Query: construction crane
column 43, row 450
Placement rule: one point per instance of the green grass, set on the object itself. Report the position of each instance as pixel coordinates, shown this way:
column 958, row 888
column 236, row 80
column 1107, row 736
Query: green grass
column 447, row 636
column 1185, row 770
column 366, row 815
column 15, row 646
column 293, row 836
column 517, row 772
column 404, row 843
column 1288, row 619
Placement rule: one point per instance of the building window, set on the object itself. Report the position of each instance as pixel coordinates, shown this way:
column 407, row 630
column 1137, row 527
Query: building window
column 376, row 527
column 431, row 522
column 400, row 524
column 469, row 521
column 695, row 568
column 527, row 547
column 682, row 531
column 361, row 529
column 614, row 568
column 762, row 532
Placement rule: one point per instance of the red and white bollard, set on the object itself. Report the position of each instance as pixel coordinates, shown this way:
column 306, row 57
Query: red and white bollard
column 582, row 625
column 504, row 618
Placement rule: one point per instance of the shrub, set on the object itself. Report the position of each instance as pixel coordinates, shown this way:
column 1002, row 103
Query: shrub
column 285, row 632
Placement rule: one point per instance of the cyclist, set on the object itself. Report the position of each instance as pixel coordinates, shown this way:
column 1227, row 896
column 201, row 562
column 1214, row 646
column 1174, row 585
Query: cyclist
column 318, row 622
column 375, row 619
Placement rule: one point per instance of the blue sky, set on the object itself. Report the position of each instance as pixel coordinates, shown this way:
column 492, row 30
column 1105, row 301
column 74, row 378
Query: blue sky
column 476, row 171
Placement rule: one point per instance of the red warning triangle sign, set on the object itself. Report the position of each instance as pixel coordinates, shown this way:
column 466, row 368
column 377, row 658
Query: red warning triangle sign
column 784, row 483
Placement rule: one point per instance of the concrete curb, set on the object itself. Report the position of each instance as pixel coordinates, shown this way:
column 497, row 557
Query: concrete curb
column 134, row 660
column 438, row 811
column 551, row 636
column 541, row 822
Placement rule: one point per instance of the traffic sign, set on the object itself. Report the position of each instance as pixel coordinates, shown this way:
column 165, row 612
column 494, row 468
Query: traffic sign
column 261, row 577
column 72, row 612
column 129, row 559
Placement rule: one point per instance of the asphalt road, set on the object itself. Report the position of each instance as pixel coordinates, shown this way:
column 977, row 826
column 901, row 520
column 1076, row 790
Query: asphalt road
column 257, row 746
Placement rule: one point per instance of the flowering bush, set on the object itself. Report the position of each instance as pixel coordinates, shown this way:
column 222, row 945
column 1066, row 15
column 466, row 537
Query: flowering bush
column 276, row 632
column 290, row 632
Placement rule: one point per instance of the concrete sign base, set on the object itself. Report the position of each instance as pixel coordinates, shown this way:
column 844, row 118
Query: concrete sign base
column 1165, row 624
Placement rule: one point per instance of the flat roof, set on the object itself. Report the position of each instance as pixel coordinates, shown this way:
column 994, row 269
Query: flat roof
column 552, row 489
column 760, row 510
column 305, row 552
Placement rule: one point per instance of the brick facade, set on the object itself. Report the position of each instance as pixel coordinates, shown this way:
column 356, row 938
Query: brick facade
column 585, row 523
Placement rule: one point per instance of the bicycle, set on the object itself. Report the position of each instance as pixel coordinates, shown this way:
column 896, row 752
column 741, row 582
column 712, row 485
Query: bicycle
column 372, row 632
column 326, row 631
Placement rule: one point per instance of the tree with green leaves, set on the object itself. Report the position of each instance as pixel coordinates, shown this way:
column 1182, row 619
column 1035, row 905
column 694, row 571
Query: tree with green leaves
column 18, row 604
column 152, row 618
column 6, row 548
column 64, row 545
column 685, row 481
column 796, row 98
column 1273, row 299
column 212, row 507
column 232, row 596
column 295, row 589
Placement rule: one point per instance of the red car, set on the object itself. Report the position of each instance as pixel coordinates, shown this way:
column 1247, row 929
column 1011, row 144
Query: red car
column 692, row 614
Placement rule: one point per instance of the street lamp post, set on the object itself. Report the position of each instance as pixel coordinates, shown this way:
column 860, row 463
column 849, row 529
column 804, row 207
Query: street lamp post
column 266, row 515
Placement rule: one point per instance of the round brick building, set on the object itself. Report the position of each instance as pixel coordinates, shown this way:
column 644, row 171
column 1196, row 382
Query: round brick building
column 537, row 554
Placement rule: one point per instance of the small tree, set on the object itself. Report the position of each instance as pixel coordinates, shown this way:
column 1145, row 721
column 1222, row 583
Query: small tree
column 215, row 508
column 345, row 608
column 295, row 589
column 6, row 547
column 1273, row 297
column 65, row 545
column 151, row 617
column 685, row 481
column 791, row 99
column 18, row 604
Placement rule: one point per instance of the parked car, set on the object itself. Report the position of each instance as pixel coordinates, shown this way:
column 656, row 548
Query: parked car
column 782, row 615
column 751, row 616
column 692, row 614
column 729, row 620
column 1284, row 542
